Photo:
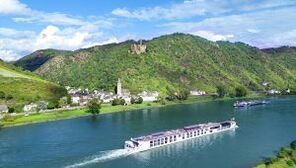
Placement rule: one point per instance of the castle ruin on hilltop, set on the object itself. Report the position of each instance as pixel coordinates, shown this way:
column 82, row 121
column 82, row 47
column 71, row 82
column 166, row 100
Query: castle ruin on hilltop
column 138, row 48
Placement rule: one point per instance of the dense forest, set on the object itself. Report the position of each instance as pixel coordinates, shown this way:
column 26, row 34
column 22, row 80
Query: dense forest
column 170, row 62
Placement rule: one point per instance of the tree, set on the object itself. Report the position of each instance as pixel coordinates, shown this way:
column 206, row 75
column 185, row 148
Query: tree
column 63, row 102
column 2, row 95
column 240, row 91
column 133, row 100
column 140, row 100
column 94, row 106
column 53, row 104
column 9, row 97
column 172, row 94
column 11, row 109
column 183, row 94
column 161, row 99
column 221, row 91
column 69, row 99
column 137, row 100
column 117, row 102
column 122, row 102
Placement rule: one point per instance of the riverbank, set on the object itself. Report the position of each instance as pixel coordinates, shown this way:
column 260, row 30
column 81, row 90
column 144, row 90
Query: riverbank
column 286, row 157
column 106, row 109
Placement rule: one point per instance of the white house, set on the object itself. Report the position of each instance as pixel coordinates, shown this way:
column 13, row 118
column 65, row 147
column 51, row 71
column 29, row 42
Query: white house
column 3, row 108
column 197, row 93
column 149, row 96
column 127, row 100
column 273, row 91
column 107, row 99
column 32, row 107
column 75, row 99
column 265, row 83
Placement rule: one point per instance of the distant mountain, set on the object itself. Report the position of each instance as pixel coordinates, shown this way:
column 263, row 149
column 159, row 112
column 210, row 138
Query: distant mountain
column 25, row 87
column 168, row 62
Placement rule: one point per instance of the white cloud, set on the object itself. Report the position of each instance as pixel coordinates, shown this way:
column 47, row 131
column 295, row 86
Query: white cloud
column 213, row 36
column 76, row 31
column 28, row 15
column 53, row 37
column 70, row 38
column 8, row 55
column 108, row 41
column 13, row 7
column 199, row 8
column 175, row 11
column 51, row 18
column 253, row 30
column 11, row 33
column 266, row 4
column 262, row 28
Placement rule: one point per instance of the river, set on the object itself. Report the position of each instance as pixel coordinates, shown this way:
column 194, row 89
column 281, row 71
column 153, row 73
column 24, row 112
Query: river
column 89, row 142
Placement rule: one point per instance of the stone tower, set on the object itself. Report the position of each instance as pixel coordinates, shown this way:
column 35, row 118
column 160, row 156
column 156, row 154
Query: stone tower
column 119, row 88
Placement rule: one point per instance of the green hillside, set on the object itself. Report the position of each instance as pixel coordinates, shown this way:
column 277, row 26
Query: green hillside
column 36, row 59
column 173, row 62
column 21, row 87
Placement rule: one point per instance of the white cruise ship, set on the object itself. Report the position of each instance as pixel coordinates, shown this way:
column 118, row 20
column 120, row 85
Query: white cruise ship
column 172, row 136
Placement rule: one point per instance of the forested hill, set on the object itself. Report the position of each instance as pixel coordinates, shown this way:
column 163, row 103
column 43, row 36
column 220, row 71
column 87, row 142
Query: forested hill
column 170, row 62
column 36, row 59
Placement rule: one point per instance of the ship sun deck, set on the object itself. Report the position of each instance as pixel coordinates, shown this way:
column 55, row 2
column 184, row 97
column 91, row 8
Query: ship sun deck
column 171, row 136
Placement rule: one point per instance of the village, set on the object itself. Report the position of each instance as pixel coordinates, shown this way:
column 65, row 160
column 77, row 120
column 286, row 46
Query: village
column 78, row 98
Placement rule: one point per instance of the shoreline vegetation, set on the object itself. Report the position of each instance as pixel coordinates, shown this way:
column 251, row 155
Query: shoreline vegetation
column 285, row 158
column 12, row 121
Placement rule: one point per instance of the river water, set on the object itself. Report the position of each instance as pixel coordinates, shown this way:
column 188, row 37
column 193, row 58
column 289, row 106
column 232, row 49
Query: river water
column 89, row 142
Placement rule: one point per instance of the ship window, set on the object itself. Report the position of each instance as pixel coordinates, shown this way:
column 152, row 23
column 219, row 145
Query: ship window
column 151, row 142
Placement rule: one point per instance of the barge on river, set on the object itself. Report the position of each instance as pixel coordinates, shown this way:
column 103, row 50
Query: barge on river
column 172, row 136
column 248, row 103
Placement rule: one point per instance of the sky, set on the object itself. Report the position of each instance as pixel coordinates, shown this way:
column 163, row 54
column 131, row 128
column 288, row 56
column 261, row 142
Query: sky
column 30, row 25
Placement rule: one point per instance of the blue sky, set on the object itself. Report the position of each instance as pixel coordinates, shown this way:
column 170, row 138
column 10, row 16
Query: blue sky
column 29, row 25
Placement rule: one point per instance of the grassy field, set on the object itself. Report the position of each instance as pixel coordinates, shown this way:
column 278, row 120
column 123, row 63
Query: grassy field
column 106, row 108
column 25, row 87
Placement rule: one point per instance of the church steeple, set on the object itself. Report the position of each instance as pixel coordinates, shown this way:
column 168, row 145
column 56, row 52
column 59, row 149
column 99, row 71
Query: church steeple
column 119, row 88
